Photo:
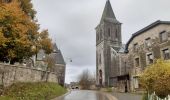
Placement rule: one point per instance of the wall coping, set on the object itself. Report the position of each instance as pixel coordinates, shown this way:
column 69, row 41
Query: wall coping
column 24, row 67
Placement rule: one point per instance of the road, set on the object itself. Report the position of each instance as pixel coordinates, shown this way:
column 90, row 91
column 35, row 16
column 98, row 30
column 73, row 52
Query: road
column 127, row 96
column 84, row 95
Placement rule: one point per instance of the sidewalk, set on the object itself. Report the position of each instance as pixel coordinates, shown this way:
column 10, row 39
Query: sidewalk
column 127, row 96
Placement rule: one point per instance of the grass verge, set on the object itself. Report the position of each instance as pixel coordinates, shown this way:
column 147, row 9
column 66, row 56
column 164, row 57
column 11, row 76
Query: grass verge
column 32, row 91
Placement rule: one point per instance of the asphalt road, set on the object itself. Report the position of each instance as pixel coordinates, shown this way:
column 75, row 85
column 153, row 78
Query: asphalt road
column 83, row 95
column 127, row 96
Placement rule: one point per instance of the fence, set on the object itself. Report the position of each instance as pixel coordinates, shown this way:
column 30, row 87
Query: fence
column 155, row 97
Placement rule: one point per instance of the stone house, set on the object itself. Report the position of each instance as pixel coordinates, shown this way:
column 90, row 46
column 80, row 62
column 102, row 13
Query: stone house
column 60, row 65
column 145, row 46
column 57, row 58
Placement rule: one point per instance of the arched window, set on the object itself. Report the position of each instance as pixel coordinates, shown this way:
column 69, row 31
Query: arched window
column 116, row 33
column 109, row 32
column 101, row 34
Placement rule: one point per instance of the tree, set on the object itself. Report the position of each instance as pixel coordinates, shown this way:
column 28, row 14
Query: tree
column 27, row 7
column 86, row 79
column 156, row 78
column 19, row 33
column 45, row 42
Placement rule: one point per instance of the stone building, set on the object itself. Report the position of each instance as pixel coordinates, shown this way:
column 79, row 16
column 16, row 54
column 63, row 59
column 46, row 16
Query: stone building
column 145, row 46
column 60, row 65
column 58, row 61
column 120, row 65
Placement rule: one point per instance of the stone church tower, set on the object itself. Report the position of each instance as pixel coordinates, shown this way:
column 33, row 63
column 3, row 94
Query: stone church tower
column 108, row 39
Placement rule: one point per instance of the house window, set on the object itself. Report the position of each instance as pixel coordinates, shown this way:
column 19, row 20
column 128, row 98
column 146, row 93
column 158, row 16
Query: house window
column 166, row 54
column 135, row 46
column 148, row 42
column 149, row 58
column 163, row 36
column 137, row 63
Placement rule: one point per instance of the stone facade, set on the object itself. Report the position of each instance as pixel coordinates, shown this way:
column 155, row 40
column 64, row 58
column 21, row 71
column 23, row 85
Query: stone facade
column 59, row 66
column 145, row 46
column 12, row 73
column 108, row 38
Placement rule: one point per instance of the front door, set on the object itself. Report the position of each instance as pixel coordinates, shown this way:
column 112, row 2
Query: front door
column 100, row 77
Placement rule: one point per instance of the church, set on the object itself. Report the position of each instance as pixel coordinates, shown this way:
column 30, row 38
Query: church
column 120, row 65
column 108, row 45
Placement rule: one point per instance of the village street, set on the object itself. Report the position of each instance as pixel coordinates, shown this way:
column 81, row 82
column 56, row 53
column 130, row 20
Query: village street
column 85, row 95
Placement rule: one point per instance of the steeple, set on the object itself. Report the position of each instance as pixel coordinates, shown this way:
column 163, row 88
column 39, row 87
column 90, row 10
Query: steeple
column 108, row 14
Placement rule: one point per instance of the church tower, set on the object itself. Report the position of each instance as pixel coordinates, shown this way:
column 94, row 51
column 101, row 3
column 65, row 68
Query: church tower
column 108, row 36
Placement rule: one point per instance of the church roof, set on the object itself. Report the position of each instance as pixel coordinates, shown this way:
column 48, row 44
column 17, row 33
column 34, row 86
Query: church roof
column 58, row 58
column 122, row 49
column 108, row 14
column 55, row 48
column 57, row 55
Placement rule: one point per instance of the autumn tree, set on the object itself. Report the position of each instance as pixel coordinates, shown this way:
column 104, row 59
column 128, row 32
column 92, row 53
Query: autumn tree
column 19, row 33
column 45, row 42
column 156, row 78
column 25, row 5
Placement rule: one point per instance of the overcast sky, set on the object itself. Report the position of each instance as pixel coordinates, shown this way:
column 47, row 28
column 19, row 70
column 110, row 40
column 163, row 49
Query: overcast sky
column 72, row 23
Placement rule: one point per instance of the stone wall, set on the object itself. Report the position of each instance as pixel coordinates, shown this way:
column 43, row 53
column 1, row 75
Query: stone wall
column 10, row 74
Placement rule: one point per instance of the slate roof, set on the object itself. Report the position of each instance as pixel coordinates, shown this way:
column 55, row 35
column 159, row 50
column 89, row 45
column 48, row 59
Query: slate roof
column 57, row 55
column 122, row 49
column 158, row 22
column 108, row 14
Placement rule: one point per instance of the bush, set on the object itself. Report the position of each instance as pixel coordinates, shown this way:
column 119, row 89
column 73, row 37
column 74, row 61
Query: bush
column 156, row 78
